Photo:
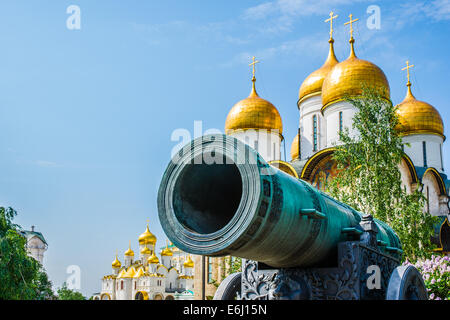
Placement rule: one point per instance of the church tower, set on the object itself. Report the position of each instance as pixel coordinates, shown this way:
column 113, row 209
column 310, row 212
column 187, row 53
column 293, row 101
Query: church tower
column 256, row 122
column 147, row 241
column 128, row 256
column 312, row 124
column 422, row 129
column 116, row 266
column 348, row 79
column 166, row 256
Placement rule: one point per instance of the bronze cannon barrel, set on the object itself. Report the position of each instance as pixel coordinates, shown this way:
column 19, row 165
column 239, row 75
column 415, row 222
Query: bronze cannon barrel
column 219, row 197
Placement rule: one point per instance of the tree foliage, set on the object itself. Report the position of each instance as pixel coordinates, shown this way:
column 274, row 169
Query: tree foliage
column 65, row 293
column 369, row 179
column 21, row 276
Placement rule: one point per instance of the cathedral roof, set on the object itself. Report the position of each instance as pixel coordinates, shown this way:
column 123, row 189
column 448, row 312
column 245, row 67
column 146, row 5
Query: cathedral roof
column 116, row 263
column 188, row 263
column 167, row 251
column 418, row 117
column 312, row 85
column 253, row 112
column 30, row 234
column 153, row 259
column 348, row 78
column 129, row 252
column 147, row 237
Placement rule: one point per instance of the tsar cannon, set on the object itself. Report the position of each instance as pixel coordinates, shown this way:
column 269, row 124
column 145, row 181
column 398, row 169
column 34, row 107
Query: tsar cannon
column 219, row 197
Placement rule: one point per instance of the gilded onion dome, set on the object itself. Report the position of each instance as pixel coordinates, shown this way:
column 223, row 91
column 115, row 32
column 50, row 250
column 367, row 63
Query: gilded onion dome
column 418, row 117
column 129, row 252
column 348, row 78
column 313, row 83
column 146, row 250
column 294, row 148
column 166, row 251
column 253, row 112
column 153, row 259
column 147, row 237
column 116, row 263
column 188, row 263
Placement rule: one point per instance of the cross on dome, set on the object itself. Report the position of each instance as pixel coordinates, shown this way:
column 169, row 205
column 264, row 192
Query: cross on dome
column 351, row 24
column 330, row 20
column 408, row 66
column 253, row 65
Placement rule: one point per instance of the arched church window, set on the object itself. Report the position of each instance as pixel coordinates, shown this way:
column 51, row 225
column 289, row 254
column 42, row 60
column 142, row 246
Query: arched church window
column 340, row 121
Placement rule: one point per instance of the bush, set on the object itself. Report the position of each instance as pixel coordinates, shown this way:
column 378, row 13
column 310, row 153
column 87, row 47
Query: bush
column 436, row 274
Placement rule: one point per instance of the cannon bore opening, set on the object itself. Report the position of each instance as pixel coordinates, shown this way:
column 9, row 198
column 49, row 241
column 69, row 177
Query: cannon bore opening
column 206, row 197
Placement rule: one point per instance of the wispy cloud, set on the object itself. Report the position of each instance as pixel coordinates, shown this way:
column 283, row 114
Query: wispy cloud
column 283, row 13
column 284, row 49
column 412, row 12
column 47, row 164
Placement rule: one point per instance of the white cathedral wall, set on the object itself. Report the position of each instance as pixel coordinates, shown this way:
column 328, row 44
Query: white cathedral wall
column 331, row 115
column 308, row 109
column 36, row 249
column 266, row 142
column 171, row 280
column 405, row 176
column 431, row 191
column 433, row 150
column 126, row 292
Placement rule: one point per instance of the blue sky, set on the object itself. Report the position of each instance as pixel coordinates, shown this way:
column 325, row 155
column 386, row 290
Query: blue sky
column 87, row 115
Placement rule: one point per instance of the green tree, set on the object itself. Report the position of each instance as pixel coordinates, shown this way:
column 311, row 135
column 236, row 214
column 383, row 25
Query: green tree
column 369, row 179
column 21, row 276
column 65, row 293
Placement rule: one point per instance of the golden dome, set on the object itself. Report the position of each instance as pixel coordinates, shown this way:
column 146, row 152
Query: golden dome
column 116, row 263
column 313, row 83
column 129, row 252
column 294, row 148
column 166, row 251
column 146, row 250
column 147, row 237
column 153, row 259
column 418, row 117
column 348, row 78
column 188, row 263
column 253, row 113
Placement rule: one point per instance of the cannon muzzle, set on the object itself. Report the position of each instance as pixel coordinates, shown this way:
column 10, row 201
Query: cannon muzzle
column 219, row 197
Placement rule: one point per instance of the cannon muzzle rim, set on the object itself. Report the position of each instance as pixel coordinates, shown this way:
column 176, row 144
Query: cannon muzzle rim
column 185, row 205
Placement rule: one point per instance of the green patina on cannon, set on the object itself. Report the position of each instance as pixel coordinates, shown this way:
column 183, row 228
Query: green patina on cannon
column 219, row 197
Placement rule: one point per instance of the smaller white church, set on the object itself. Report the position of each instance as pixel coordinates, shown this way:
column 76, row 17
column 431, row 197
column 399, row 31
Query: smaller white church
column 148, row 277
column 36, row 244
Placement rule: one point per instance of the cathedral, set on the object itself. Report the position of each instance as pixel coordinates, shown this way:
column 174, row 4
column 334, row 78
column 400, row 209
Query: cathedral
column 148, row 277
column 324, row 111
